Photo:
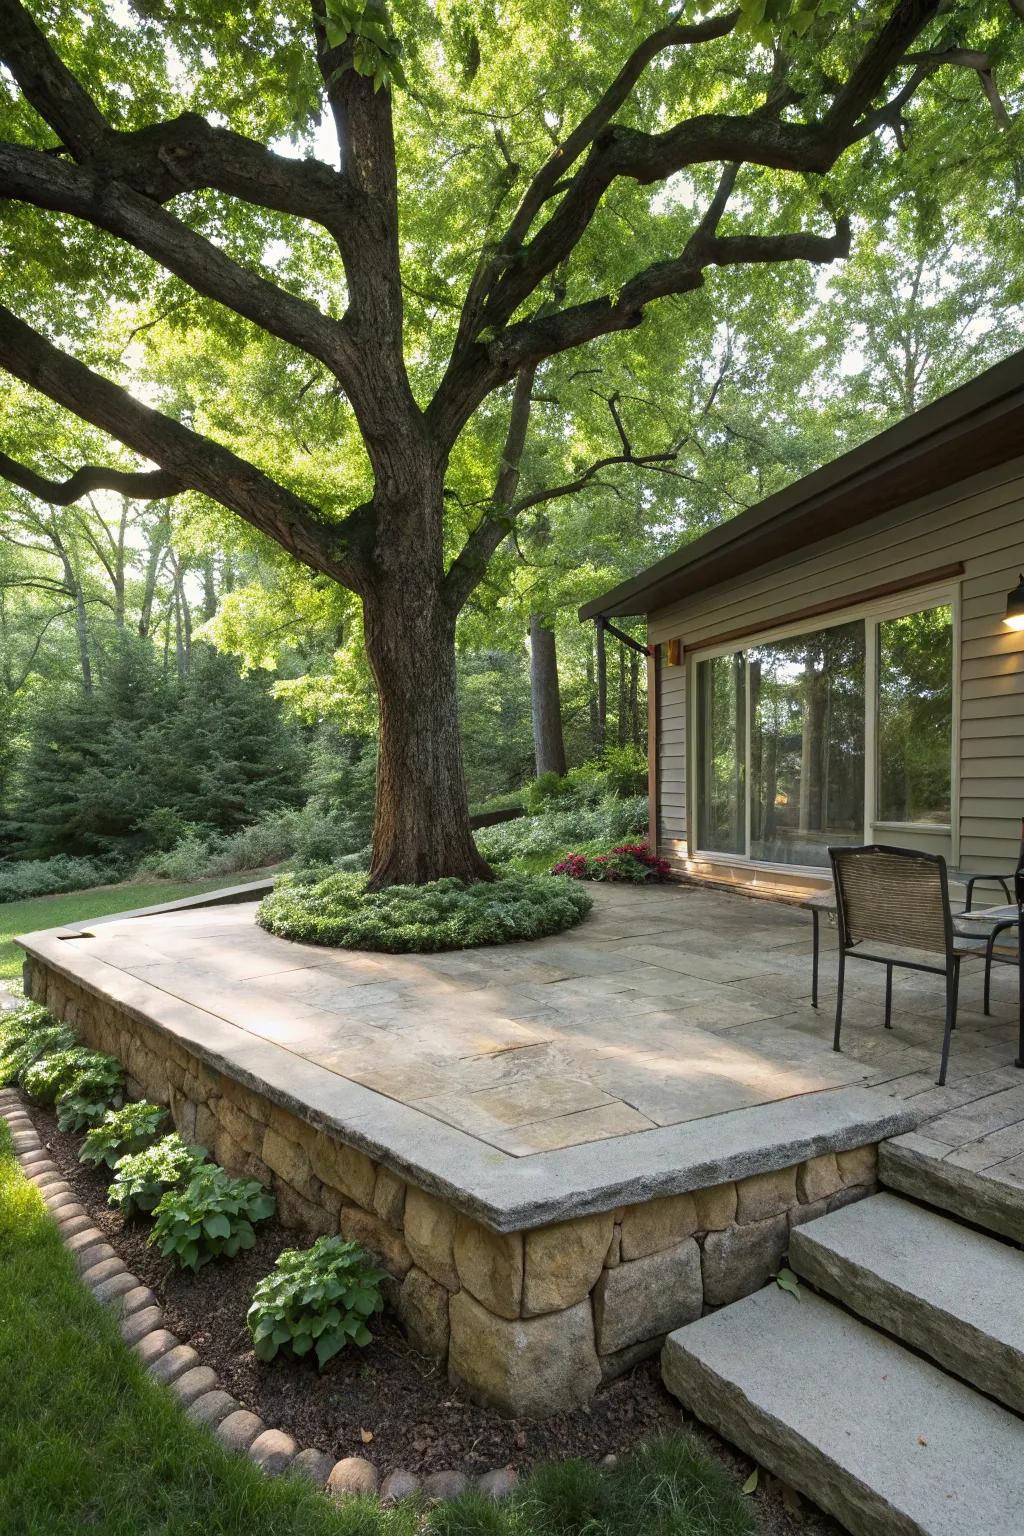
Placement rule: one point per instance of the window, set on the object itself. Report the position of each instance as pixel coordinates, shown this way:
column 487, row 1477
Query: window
column 782, row 770
column 721, row 753
column 915, row 717
column 807, row 745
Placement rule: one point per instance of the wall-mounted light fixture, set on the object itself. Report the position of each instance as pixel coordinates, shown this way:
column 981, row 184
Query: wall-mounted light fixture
column 1014, row 615
column 674, row 652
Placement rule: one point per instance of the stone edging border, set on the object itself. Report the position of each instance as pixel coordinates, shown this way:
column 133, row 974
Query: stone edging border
column 177, row 1366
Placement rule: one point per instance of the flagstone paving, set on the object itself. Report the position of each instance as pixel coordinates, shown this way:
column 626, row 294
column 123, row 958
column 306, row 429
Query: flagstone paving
column 666, row 1006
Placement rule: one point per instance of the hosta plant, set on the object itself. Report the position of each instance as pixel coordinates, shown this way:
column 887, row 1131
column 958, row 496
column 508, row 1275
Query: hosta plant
column 317, row 1299
column 59, row 1072
column 210, row 1217
column 99, row 1087
column 25, row 1045
column 122, row 1132
column 141, row 1180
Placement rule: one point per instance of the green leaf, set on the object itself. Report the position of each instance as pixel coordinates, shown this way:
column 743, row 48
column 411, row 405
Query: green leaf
column 328, row 1346
column 750, row 1486
column 787, row 1281
column 217, row 1226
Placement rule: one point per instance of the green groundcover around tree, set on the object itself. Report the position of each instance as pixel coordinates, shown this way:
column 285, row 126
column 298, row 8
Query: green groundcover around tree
column 446, row 914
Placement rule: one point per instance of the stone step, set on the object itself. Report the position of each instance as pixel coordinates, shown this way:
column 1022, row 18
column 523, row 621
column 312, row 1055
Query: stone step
column 881, row 1439
column 954, row 1294
column 914, row 1165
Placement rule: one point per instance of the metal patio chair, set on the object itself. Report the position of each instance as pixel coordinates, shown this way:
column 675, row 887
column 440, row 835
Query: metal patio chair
column 998, row 921
column 898, row 899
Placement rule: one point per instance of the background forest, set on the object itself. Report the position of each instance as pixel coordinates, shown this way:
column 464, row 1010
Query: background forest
column 179, row 697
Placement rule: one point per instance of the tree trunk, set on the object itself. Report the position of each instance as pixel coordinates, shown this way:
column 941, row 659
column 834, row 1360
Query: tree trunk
column 602, row 687
column 421, row 827
column 545, row 698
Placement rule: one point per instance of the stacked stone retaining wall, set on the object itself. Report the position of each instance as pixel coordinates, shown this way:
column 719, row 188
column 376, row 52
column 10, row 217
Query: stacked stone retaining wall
column 531, row 1321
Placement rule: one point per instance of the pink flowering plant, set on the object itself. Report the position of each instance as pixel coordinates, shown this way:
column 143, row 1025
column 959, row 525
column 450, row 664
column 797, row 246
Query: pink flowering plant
column 630, row 862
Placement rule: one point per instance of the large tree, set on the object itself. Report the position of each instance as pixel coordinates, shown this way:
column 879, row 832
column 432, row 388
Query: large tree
column 500, row 197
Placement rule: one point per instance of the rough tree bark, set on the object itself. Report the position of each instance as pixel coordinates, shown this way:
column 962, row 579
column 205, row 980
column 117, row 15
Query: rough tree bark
column 390, row 550
column 545, row 698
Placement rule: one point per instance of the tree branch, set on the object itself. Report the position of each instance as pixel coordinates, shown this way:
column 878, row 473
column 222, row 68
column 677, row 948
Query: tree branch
column 140, row 485
column 165, row 159
column 33, row 177
column 551, row 178
column 467, row 569
column 194, row 461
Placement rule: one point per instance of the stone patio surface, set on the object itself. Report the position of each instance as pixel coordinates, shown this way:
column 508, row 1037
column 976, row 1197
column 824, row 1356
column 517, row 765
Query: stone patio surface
column 666, row 1043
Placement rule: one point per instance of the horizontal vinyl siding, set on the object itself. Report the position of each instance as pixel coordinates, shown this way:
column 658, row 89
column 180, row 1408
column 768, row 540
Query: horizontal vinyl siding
column 671, row 811
column 980, row 523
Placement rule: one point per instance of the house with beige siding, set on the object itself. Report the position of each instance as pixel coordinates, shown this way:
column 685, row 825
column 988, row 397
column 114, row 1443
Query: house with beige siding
column 844, row 662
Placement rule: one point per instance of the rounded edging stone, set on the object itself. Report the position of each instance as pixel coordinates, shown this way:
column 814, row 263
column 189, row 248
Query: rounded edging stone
column 352, row 1475
column 238, row 1430
column 273, row 1451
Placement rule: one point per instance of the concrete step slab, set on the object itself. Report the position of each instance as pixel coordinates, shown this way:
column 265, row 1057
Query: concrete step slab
column 914, row 1166
column 878, row 1437
column 953, row 1293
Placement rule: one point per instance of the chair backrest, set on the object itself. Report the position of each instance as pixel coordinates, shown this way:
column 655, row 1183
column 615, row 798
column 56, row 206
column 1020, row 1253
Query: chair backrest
column 896, row 896
column 1018, row 877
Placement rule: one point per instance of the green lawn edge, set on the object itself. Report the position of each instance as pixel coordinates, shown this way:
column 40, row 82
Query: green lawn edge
column 37, row 912
column 89, row 1442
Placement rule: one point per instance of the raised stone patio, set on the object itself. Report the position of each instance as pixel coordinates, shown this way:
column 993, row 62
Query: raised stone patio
column 561, row 1150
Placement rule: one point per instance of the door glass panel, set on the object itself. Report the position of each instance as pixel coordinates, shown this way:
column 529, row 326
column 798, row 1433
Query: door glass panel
column 807, row 745
column 915, row 717
column 721, row 754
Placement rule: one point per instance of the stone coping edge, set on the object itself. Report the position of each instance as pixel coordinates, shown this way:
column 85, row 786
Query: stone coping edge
column 222, row 897
column 505, row 1193
column 177, row 1366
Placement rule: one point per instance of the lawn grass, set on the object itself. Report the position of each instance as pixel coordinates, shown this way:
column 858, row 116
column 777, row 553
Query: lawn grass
column 79, row 906
column 89, row 1443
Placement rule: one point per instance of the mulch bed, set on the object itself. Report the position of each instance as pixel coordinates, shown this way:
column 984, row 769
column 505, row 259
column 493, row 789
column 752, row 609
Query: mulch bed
column 386, row 1402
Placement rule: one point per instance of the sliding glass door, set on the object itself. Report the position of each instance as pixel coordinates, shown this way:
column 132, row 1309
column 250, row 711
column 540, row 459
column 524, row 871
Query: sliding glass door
column 807, row 745
column 811, row 740
column 721, row 753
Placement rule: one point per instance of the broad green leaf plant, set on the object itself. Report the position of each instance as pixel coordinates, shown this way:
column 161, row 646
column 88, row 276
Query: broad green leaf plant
column 211, row 1216
column 316, row 1299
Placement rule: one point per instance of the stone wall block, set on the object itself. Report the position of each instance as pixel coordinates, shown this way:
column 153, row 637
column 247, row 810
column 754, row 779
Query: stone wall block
column 716, row 1207
column 527, row 1367
column 389, row 1198
column 350, row 1172
column 562, row 1263
column 377, row 1238
column 765, row 1194
column 294, row 1210
column 648, row 1297
column 430, row 1235
column 423, row 1309
column 818, row 1178
column 490, row 1265
column 741, row 1259
column 241, row 1126
column 657, row 1224
column 289, row 1160
column 859, row 1165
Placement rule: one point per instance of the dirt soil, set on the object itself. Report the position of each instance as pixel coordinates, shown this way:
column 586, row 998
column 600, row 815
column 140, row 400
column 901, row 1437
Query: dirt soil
column 386, row 1402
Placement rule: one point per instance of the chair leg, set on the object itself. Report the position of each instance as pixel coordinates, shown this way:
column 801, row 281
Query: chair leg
column 888, row 997
column 989, row 948
column 816, row 946
column 839, row 998
column 952, row 992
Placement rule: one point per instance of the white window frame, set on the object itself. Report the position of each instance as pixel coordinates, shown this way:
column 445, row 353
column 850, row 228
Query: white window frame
column 873, row 613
